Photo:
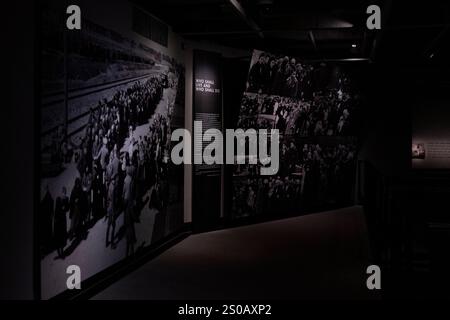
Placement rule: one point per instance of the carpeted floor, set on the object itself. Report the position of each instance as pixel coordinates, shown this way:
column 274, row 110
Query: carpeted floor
column 318, row 256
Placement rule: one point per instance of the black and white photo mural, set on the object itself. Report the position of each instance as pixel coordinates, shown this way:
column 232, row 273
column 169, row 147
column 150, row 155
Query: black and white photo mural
column 108, row 189
column 315, row 107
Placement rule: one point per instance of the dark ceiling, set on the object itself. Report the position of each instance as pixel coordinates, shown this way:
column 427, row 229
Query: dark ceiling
column 412, row 32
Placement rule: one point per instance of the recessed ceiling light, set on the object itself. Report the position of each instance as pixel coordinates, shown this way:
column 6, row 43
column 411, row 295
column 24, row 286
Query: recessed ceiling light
column 353, row 45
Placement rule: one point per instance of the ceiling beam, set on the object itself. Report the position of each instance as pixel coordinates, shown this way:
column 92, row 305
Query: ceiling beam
column 225, row 32
column 313, row 40
column 433, row 46
column 250, row 22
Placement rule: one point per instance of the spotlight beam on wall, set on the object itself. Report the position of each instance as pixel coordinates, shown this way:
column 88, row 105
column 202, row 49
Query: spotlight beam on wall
column 250, row 22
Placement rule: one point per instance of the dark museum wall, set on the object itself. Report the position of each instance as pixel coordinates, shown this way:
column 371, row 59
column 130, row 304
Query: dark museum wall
column 387, row 120
column 406, row 207
column 17, row 261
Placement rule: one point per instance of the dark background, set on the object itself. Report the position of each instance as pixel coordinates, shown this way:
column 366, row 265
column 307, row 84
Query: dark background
column 17, row 273
column 402, row 205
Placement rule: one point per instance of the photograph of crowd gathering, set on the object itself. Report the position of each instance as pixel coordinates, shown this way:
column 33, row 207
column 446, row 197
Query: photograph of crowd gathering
column 111, row 179
column 315, row 107
column 285, row 76
column 311, row 176
column 108, row 188
column 322, row 116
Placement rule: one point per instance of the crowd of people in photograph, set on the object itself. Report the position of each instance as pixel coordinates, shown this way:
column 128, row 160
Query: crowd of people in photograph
column 116, row 169
column 315, row 108
column 310, row 176
column 329, row 173
column 245, row 122
column 331, row 113
column 327, row 114
column 272, row 195
column 280, row 75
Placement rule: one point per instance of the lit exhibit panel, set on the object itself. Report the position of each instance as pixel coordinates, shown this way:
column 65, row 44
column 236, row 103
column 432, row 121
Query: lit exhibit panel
column 108, row 190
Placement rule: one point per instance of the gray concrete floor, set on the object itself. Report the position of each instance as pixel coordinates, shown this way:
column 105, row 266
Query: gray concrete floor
column 317, row 256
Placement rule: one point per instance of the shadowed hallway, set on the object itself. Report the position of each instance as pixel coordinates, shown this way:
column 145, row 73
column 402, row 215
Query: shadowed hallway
column 322, row 255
